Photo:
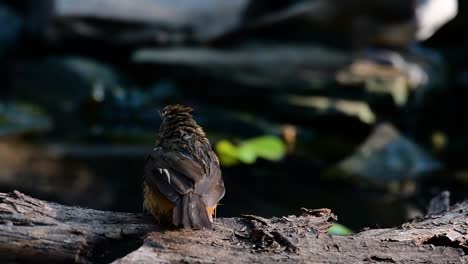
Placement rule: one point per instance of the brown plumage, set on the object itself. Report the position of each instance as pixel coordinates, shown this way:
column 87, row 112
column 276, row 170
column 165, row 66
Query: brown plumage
column 182, row 181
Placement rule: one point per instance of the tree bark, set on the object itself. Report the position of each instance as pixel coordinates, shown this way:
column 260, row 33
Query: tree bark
column 34, row 231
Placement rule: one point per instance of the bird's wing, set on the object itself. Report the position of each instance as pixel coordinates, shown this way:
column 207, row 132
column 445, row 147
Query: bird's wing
column 172, row 173
column 184, row 164
column 211, row 187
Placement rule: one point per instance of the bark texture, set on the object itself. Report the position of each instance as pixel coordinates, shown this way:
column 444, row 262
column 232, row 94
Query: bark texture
column 35, row 231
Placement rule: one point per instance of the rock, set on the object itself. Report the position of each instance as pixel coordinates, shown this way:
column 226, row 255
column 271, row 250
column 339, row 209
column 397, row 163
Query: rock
column 378, row 77
column 66, row 87
column 272, row 67
column 432, row 14
column 10, row 29
column 388, row 23
column 62, row 81
column 423, row 19
column 143, row 21
column 388, row 156
column 18, row 118
column 419, row 72
column 317, row 105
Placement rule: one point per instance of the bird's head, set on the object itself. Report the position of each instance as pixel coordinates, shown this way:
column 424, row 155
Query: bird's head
column 177, row 122
column 172, row 111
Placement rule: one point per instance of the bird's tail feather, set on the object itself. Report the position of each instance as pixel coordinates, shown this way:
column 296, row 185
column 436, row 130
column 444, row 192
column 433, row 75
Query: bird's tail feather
column 191, row 213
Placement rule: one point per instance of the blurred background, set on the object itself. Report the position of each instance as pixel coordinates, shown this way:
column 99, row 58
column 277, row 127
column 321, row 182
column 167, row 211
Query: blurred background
column 355, row 105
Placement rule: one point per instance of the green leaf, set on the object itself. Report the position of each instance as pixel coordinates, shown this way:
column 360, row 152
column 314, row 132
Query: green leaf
column 266, row 147
column 227, row 153
column 339, row 230
column 246, row 154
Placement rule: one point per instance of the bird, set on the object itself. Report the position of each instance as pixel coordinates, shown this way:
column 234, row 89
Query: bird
column 182, row 183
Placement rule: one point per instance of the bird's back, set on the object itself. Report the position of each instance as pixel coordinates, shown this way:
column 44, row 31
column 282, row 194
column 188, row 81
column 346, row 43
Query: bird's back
column 183, row 182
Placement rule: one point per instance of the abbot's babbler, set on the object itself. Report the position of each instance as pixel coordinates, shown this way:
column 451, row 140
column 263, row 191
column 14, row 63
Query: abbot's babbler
column 182, row 182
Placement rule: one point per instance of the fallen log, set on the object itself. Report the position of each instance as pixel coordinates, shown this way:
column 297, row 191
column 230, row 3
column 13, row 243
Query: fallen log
column 34, row 231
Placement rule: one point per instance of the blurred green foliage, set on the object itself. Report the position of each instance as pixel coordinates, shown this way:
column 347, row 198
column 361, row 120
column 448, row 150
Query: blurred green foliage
column 266, row 147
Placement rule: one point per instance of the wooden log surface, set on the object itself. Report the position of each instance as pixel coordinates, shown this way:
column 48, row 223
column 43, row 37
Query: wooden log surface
column 35, row 231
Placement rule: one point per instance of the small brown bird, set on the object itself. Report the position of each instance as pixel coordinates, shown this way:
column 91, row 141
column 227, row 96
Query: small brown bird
column 182, row 182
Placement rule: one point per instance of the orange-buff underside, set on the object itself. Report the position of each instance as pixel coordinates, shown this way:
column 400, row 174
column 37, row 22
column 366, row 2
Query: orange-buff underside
column 161, row 208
